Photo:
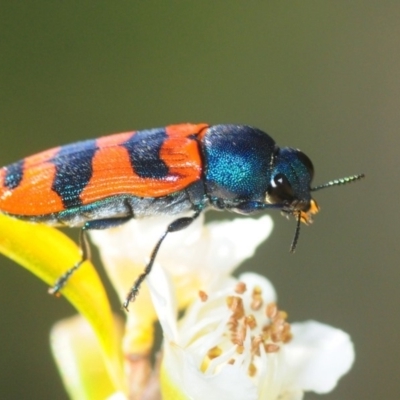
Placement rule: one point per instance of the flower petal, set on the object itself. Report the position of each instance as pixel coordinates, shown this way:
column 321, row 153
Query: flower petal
column 80, row 360
column 164, row 301
column 236, row 333
column 48, row 253
column 317, row 357
column 181, row 379
column 190, row 369
column 194, row 257
column 236, row 240
column 118, row 396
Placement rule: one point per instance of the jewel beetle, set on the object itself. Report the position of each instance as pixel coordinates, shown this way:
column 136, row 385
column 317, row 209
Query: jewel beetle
column 102, row 183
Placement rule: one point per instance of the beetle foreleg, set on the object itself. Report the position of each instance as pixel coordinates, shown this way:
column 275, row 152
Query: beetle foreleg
column 174, row 226
column 251, row 207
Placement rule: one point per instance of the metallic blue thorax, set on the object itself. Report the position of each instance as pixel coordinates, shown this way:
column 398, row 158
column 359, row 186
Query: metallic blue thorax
column 237, row 163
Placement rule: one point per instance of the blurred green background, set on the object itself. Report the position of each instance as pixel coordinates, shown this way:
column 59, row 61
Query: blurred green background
column 323, row 76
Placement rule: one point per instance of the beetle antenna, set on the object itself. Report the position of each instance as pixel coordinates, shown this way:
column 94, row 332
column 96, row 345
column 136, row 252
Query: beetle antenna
column 296, row 234
column 336, row 182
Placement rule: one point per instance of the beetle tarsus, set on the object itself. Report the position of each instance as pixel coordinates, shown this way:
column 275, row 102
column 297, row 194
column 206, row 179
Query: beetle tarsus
column 62, row 280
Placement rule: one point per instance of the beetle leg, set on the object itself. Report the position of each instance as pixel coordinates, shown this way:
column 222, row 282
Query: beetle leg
column 251, row 207
column 98, row 224
column 174, row 226
column 85, row 248
column 63, row 279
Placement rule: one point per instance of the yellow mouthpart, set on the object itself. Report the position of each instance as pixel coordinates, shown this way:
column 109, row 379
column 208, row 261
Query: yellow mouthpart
column 306, row 217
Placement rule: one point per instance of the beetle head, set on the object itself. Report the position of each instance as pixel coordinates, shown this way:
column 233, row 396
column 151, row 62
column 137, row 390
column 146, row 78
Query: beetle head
column 290, row 186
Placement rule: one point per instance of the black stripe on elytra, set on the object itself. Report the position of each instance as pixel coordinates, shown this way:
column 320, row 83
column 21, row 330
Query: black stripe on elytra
column 144, row 153
column 14, row 174
column 73, row 171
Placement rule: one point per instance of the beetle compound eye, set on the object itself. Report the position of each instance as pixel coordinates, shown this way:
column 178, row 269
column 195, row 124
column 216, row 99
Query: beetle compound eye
column 280, row 180
column 279, row 190
column 306, row 162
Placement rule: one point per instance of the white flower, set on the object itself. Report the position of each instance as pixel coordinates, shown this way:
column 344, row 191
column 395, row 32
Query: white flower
column 196, row 257
column 234, row 343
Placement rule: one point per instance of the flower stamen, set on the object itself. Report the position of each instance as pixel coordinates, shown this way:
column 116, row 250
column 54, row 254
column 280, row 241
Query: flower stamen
column 240, row 288
column 254, row 329
column 203, row 296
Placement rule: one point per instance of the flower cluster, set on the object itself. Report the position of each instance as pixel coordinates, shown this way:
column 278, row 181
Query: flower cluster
column 230, row 342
